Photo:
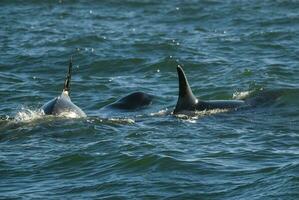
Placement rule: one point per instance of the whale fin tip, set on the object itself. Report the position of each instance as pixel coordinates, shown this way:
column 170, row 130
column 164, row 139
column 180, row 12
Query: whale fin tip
column 67, row 82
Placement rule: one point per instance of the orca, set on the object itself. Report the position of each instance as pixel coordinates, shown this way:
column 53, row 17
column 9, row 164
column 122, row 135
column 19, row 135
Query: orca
column 133, row 101
column 187, row 102
column 63, row 104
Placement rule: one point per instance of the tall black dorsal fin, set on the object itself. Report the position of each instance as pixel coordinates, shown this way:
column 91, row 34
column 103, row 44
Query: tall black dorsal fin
column 67, row 82
column 186, row 100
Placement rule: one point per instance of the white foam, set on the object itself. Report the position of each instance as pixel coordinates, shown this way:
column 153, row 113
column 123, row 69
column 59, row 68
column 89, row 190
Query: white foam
column 69, row 114
column 241, row 95
column 191, row 116
column 26, row 115
column 211, row 112
column 124, row 120
column 159, row 113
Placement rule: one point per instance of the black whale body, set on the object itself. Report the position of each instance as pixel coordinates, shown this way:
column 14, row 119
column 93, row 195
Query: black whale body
column 133, row 101
column 188, row 102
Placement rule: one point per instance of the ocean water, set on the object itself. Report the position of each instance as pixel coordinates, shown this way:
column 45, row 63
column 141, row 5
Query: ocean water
column 228, row 49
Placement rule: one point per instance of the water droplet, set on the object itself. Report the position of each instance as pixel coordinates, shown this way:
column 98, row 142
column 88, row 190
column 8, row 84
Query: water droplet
column 90, row 12
column 177, row 8
column 158, row 70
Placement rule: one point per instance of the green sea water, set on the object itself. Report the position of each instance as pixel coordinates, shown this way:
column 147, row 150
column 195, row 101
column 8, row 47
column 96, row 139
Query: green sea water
column 228, row 49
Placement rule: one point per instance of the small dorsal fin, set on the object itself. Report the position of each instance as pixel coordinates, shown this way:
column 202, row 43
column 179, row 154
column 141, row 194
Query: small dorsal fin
column 67, row 82
column 186, row 99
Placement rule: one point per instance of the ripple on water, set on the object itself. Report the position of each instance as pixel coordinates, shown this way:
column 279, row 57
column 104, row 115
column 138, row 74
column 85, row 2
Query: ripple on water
column 229, row 49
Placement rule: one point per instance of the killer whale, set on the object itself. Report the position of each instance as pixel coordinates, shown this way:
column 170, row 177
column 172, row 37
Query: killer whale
column 63, row 104
column 188, row 102
column 131, row 104
column 132, row 101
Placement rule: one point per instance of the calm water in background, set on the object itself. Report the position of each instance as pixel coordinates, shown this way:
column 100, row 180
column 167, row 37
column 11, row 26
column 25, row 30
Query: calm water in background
column 228, row 49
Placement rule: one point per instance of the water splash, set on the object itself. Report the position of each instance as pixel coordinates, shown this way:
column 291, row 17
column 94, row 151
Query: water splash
column 111, row 120
column 5, row 118
column 161, row 112
column 242, row 95
column 192, row 116
column 211, row 112
column 26, row 115
column 124, row 120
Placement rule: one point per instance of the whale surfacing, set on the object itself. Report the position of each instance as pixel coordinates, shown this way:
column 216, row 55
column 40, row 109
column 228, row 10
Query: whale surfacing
column 188, row 102
column 63, row 104
column 133, row 101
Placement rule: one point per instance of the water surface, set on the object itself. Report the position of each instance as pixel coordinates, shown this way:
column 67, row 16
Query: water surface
column 227, row 48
